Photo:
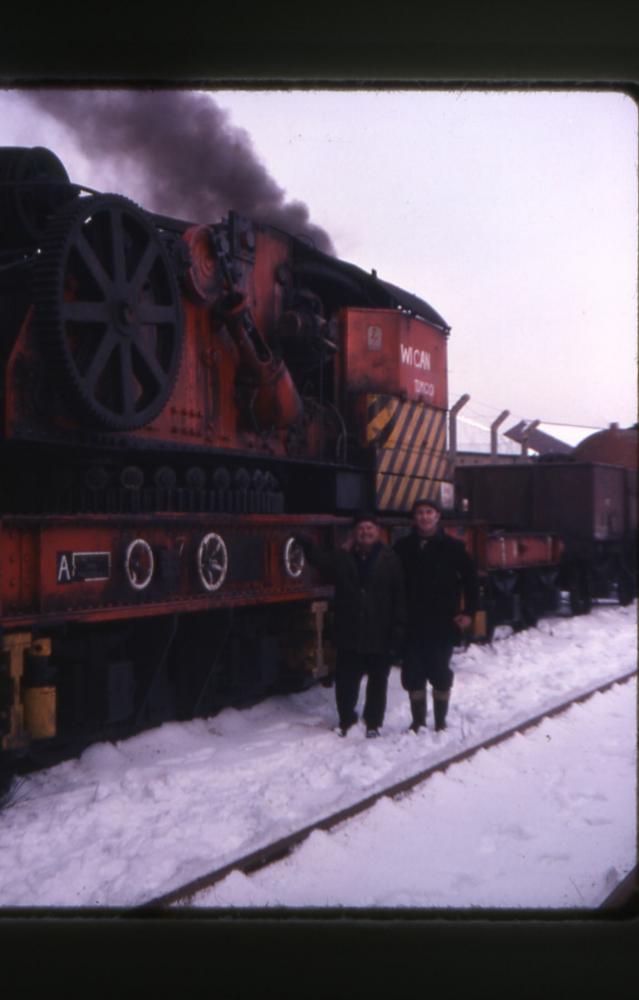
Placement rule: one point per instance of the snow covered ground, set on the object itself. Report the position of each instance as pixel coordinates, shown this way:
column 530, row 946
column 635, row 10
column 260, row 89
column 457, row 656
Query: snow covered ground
column 129, row 821
column 535, row 822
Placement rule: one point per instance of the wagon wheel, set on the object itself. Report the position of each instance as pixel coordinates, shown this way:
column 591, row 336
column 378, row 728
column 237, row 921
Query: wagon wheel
column 108, row 306
column 139, row 564
column 294, row 558
column 212, row 561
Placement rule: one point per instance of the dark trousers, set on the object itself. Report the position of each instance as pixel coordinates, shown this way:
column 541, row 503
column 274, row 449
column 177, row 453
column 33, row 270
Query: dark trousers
column 349, row 670
column 427, row 660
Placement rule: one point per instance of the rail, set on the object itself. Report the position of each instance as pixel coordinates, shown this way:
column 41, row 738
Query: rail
column 278, row 849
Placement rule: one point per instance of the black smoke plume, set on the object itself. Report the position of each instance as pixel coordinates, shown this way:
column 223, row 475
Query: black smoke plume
column 190, row 161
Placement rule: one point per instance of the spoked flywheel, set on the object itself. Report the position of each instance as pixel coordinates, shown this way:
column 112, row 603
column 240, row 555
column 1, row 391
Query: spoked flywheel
column 108, row 306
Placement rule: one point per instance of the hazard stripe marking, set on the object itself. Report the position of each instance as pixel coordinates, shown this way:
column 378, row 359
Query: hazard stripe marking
column 383, row 415
column 404, row 468
column 375, row 404
column 409, row 490
column 410, row 441
column 399, row 429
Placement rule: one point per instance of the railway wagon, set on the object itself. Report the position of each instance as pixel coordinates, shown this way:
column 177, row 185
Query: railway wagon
column 589, row 501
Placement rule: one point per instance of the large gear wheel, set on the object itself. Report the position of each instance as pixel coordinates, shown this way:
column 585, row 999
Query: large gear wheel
column 108, row 307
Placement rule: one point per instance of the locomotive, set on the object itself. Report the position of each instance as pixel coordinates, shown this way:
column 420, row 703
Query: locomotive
column 179, row 399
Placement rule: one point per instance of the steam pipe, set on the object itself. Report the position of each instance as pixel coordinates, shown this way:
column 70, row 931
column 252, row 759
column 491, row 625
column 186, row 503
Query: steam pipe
column 493, row 430
column 452, row 424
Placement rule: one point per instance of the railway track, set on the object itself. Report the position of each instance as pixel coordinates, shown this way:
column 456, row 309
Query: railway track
column 279, row 849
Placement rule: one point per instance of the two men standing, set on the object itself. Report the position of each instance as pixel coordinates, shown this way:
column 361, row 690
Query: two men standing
column 401, row 604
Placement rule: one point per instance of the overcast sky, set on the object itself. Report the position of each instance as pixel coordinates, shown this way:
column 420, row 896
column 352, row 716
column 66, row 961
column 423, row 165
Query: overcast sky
column 514, row 214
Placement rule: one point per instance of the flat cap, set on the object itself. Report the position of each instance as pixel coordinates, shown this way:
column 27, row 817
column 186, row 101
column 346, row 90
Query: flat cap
column 426, row 502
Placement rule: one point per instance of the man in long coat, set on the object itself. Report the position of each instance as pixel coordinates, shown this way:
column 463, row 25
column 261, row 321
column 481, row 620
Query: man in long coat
column 438, row 573
column 369, row 615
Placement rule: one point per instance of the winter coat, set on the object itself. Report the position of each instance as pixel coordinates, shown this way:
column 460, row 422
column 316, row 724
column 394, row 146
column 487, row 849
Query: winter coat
column 369, row 605
column 437, row 572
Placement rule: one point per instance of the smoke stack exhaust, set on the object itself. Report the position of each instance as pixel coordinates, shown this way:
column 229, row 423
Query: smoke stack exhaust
column 186, row 158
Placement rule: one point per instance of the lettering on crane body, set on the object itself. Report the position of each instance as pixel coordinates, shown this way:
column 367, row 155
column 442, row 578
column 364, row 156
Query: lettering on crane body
column 72, row 567
column 424, row 388
column 414, row 357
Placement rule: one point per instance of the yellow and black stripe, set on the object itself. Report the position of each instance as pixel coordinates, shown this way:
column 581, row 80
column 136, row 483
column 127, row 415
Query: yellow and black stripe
column 381, row 417
column 411, row 458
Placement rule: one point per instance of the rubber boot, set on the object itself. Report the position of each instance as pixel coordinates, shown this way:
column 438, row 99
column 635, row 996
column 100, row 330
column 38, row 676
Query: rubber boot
column 418, row 710
column 440, row 707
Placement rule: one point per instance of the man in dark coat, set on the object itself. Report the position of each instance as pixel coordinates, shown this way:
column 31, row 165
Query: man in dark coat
column 438, row 573
column 369, row 616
